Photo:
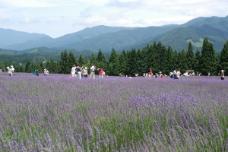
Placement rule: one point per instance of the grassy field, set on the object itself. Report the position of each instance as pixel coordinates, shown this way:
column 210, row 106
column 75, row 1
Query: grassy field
column 63, row 114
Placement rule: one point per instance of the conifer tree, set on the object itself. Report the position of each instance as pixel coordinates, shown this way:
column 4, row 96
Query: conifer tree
column 131, row 63
column 66, row 62
column 113, row 66
column 71, row 59
column 101, row 61
column 190, row 57
column 81, row 60
column 123, row 63
column 197, row 62
column 208, row 61
column 224, row 58
column 182, row 61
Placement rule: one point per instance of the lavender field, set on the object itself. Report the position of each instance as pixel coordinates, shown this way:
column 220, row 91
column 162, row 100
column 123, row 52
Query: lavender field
column 58, row 113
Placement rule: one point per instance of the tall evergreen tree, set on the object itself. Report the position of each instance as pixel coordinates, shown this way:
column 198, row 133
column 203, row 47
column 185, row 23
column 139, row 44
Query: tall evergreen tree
column 208, row 61
column 101, row 61
column 81, row 60
column 142, row 66
column 71, row 59
column 123, row 63
column 53, row 66
column 66, row 62
column 63, row 62
column 161, row 58
column 150, row 51
column 28, row 67
column 190, row 57
column 182, row 61
column 174, row 61
column 100, row 56
column 131, row 63
column 167, row 60
column 197, row 62
column 93, row 59
column 113, row 66
column 224, row 58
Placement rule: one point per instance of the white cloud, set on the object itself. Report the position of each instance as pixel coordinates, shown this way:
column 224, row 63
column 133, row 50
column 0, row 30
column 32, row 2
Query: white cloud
column 50, row 3
column 3, row 14
column 26, row 3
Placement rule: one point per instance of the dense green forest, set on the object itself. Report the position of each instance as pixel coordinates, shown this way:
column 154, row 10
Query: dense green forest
column 129, row 62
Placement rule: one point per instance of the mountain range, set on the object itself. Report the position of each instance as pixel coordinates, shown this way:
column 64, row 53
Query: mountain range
column 122, row 38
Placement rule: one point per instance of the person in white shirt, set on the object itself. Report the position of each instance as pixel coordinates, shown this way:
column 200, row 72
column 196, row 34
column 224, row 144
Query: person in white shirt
column 92, row 71
column 171, row 74
column 10, row 70
column 186, row 74
column 46, row 72
column 178, row 74
column 73, row 71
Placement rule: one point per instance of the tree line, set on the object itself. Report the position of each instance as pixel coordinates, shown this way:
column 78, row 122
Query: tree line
column 138, row 61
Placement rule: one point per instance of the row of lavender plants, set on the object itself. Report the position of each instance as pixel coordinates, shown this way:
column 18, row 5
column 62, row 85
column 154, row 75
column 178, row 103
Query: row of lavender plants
column 62, row 114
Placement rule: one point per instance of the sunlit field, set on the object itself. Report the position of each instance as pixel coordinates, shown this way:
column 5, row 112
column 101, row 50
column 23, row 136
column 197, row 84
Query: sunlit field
column 58, row 113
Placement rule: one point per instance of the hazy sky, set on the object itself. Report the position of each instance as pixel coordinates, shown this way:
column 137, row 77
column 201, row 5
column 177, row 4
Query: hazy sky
column 58, row 17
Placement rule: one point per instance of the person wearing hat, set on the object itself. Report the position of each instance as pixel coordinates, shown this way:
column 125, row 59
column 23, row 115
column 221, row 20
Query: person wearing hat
column 85, row 72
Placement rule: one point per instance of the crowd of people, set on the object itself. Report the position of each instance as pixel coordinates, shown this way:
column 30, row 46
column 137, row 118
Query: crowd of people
column 176, row 74
column 79, row 72
column 84, row 72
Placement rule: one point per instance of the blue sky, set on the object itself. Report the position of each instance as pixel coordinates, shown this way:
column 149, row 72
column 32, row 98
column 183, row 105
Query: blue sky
column 58, row 17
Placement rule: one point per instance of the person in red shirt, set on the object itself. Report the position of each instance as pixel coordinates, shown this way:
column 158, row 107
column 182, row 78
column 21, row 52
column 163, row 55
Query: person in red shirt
column 101, row 73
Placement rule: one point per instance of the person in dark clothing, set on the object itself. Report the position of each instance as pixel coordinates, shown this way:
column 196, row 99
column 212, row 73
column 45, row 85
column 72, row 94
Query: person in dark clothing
column 36, row 72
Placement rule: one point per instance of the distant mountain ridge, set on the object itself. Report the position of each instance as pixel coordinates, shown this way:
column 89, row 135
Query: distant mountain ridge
column 105, row 37
column 95, row 38
column 214, row 28
column 11, row 37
